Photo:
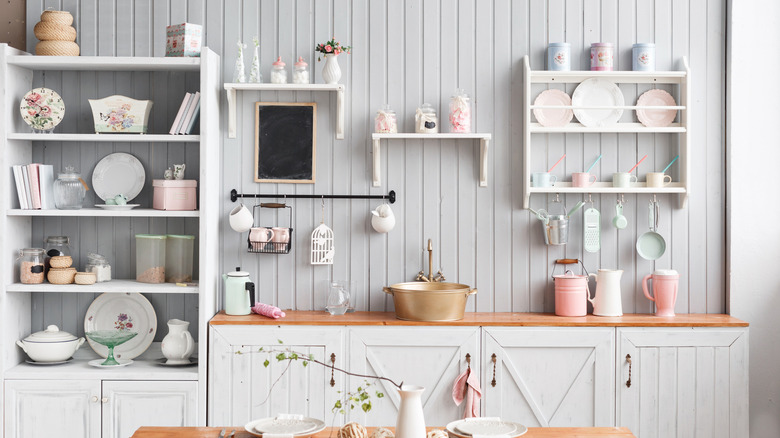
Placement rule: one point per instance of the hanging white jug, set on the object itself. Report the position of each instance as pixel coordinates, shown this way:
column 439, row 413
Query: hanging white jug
column 382, row 219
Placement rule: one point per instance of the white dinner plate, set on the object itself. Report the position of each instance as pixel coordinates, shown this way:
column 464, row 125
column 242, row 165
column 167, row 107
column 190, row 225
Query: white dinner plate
column 656, row 118
column 117, row 207
column 297, row 427
column 118, row 174
column 164, row 362
column 601, row 93
column 553, row 117
column 489, row 428
column 122, row 311
column 99, row 362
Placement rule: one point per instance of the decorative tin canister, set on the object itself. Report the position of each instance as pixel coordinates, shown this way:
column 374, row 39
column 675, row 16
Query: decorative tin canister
column 559, row 57
column 643, row 58
column 602, row 56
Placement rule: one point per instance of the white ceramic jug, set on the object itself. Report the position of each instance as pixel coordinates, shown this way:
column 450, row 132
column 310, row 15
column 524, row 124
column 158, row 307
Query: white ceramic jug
column 411, row 419
column 178, row 345
column 607, row 301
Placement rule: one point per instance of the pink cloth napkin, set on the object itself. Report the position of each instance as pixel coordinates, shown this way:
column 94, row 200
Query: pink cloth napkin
column 268, row 310
column 467, row 387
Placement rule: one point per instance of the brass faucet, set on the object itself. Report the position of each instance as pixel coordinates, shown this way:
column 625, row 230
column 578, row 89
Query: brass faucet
column 439, row 277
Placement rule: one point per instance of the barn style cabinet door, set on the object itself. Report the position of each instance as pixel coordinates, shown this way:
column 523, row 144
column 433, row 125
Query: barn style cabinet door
column 431, row 357
column 549, row 376
column 128, row 405
column 44, row 408
column 243, row 388
column 690, row 382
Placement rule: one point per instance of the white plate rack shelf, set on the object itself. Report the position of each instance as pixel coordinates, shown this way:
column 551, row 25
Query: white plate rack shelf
column 23, row 228
column 681, row 128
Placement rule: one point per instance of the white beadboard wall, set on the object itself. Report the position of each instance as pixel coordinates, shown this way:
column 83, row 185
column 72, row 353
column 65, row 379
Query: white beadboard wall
column 407, row 52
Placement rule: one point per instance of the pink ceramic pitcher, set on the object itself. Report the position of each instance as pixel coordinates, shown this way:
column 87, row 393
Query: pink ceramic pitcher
column 665, row 283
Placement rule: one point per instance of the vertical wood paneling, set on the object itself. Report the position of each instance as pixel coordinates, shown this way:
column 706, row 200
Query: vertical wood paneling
column 407, row 53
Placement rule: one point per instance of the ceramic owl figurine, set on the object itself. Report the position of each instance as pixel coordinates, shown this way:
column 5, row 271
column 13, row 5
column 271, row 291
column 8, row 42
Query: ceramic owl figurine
column 383, row 219
column 437, row 433
column 382, row 432
column 353, row 430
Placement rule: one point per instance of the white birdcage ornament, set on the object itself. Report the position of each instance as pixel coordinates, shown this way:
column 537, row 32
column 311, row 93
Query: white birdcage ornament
column 322, row 249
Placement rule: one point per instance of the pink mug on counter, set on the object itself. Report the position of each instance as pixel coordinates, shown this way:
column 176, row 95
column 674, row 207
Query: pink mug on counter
column 665, row 285
column 582, row 179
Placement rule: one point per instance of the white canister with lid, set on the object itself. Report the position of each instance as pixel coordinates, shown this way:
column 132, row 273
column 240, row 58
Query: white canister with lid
column 301, row 72
column 278, row 73
column 643, row 58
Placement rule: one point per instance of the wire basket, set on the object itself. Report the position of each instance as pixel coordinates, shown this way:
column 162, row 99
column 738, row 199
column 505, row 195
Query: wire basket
column 270, row 240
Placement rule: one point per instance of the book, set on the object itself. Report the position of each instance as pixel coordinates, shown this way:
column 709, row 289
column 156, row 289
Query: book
column 185, row 121
column 19, row 179
column 46, row 183
column 180, row 114
column 193, row 115
column 26, row 178
column 35, row 192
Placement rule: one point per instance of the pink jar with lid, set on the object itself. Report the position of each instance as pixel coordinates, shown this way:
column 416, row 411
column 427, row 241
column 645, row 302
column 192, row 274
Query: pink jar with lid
column 602, row 56
column 571, row 294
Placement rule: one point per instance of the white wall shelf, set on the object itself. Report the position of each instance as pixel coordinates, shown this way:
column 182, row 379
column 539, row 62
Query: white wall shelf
column 484, row 144
column 99, row 212
column 681, row 128
column 113, row 286
column 107, row 138
column 232, row 88
column 79, row 369
column 104, row 63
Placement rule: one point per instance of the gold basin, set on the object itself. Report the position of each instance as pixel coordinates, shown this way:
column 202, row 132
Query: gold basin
column 423, row 301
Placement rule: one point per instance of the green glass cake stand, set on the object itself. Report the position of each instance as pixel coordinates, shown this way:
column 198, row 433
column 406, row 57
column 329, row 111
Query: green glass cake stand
column 111, row 338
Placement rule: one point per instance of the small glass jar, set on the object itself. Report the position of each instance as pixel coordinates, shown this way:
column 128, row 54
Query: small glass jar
column 460, row 112
column 278, row 73
column 55, row 246
column 98, row 265
column 301, row 73
column 385, row 121
column 69, row 191
column 425, row 120
column 150, row 258
column 31, row 265
column 178, row 258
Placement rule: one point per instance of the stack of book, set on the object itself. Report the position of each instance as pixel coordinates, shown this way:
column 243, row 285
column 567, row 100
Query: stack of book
column 187, row 115
column 35, row 186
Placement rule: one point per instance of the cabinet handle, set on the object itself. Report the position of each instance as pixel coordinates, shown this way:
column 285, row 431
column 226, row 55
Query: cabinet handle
column 628, row 382
column 493, row 358
column 332, row 364
column 104, row 400
column 94, row 399
column 468, row 360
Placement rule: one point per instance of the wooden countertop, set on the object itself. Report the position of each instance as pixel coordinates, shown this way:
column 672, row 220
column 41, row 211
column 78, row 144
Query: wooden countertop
column 533, row 432
column 487, row 319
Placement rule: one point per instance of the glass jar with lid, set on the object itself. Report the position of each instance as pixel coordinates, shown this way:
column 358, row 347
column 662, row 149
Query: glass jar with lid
column 385, row 121
column 31, row 265
column 56, row 246
column 98, row 265
column 301, row 73
column 425, row 120
column 460, row 112
column 69, row 190
column 278, row 73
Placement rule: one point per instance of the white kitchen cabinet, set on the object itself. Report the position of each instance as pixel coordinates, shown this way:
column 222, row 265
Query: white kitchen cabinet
column 431, row 357
column 549, row 376
column 241, row 388
column 128, row 405
column 686, row 382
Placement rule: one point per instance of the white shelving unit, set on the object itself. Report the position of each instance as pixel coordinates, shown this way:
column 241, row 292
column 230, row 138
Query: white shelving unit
column 681, row 128
column 484, row 144
column 232, row 88
column 16, row 226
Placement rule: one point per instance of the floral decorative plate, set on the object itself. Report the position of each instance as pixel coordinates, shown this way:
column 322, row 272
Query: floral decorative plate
column 42, row 109
column 656, row 118
column 553, row 117
column 122, row 311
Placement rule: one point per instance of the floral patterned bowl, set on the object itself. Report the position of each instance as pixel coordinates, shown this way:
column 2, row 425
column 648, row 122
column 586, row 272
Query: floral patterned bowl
column 42, row 109
column 120, row 115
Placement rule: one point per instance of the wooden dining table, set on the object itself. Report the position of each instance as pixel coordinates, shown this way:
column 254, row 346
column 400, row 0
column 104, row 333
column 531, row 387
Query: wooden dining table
column 533, row 432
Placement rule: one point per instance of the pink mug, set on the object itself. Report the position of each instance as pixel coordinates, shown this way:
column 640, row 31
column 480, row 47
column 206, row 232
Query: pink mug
column 665, row 285
column 582, row 179
column 281, row 235
column 261, row 235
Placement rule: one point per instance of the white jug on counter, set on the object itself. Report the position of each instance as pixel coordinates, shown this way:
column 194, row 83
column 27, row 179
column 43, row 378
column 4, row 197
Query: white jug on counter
column 607, row 301
column 178, row 345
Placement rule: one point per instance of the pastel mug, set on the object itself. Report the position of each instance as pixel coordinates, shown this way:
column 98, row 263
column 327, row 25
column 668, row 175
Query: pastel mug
column 281, row 235
column 658, row 179
column 261, row 235
column 241, row 219
column 543, row 179
column 583, row 179
column 623, row 179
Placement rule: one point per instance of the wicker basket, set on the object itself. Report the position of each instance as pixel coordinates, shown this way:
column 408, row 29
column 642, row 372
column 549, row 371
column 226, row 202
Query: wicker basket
column 61, row 262
column 61, row 275
column 51, row 31
column 61, row 17
column 86, row 278
column 57, row 48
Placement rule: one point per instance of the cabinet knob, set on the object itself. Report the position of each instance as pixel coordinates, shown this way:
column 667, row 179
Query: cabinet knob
column 104, row 400
column 94, row 399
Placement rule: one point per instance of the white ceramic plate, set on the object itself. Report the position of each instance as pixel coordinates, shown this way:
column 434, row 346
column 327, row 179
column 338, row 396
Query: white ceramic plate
column 118, row 311
column 597, row 92
column 164, row 363
column 485, row 427
column 98, row 362
column 454, row 428
column 656, row 118
column 118, row 174
column 298, row 428
column 553, row 117
column 32, row 362
column 117, row 207
column 42, row 109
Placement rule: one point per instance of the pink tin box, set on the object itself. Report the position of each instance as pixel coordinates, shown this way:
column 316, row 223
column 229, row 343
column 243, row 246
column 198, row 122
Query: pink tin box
column 175, row 194
column 183, row 40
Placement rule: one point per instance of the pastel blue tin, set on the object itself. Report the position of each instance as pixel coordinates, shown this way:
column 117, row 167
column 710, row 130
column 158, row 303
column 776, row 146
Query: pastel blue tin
column 559, row 57
column 643, row 57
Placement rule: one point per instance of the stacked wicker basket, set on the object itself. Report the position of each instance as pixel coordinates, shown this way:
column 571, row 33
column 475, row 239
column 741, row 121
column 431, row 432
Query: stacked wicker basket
column 56, row 34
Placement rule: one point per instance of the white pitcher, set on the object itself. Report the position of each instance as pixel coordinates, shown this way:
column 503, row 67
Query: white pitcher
column 178, row 345
column 607, row 301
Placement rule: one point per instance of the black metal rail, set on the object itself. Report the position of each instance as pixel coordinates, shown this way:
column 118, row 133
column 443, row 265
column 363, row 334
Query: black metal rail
column 234, row 195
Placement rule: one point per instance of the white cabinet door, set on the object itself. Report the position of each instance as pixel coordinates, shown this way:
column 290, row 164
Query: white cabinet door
column 431, row 357
column 128, row 405
column 242, row 388
column 549, row 376
column 687, row 382
column 46, row 408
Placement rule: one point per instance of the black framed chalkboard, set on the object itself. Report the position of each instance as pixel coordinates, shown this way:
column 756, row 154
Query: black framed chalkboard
column 285, row 142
